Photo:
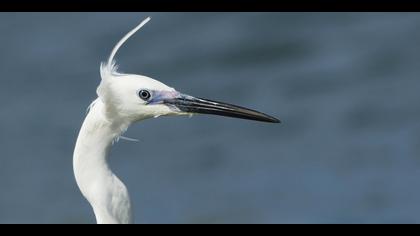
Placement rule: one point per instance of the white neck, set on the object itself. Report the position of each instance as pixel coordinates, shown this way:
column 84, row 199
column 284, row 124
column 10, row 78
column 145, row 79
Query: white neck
column 106, row 194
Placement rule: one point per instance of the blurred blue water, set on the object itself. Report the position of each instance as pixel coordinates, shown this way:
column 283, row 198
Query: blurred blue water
column 345, row 85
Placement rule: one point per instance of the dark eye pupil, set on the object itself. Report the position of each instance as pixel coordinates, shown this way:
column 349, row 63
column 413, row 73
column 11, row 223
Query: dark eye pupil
column 144, row 94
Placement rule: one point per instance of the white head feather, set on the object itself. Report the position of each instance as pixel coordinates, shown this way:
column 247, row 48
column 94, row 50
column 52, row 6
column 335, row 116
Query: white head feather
column 119, row 91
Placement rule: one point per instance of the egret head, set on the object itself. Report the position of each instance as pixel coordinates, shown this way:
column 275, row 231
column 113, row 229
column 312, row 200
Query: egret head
column 132, row 98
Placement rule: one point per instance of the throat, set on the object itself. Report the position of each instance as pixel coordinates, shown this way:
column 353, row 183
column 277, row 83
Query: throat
column 106, row 194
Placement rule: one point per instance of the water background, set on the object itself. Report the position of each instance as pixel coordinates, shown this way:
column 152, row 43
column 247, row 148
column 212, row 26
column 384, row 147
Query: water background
column 345, row 85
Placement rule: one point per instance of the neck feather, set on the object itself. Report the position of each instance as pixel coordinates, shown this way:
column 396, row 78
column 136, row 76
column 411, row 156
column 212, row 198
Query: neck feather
column 107, row 195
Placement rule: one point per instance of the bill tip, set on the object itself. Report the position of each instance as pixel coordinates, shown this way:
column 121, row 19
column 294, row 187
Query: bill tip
column 275, row 120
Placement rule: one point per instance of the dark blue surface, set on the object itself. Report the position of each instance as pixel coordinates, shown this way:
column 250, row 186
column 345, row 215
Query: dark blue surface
column 346, row 87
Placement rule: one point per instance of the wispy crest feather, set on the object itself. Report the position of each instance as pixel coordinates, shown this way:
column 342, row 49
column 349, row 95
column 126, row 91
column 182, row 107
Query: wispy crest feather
column 110, row 67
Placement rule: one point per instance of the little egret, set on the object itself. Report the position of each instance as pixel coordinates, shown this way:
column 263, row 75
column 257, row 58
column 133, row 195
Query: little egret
column 124, row 99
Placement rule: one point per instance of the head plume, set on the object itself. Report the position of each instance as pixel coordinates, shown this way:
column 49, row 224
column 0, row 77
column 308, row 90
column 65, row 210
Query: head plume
column 108, row 69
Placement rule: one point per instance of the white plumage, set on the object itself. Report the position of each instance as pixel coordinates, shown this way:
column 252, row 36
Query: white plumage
column 124, row 99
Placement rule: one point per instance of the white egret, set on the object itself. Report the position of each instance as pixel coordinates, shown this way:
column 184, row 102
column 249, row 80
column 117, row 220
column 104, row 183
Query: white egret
column 124, row 99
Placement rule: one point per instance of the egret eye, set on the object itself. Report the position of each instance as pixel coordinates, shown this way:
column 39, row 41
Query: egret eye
column 144, row 94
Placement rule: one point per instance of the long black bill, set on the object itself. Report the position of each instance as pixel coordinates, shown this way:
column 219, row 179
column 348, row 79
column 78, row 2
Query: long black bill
column 191, row 104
